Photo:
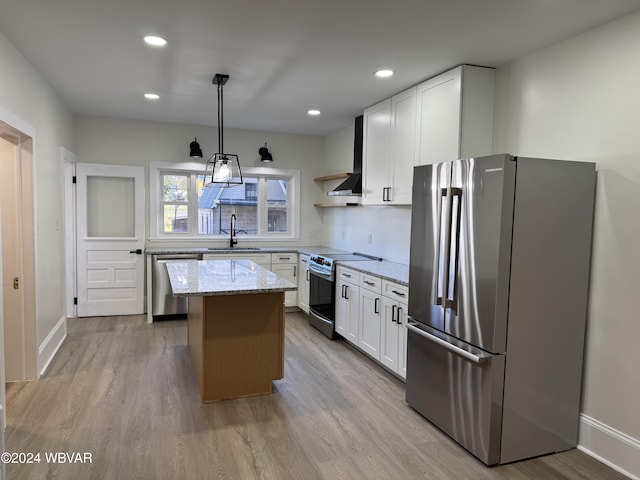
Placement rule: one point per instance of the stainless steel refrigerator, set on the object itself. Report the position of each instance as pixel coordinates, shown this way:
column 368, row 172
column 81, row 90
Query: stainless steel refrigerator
column 499, row 280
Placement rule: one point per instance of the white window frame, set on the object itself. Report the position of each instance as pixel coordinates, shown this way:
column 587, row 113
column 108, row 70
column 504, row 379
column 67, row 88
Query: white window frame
column 156, row 225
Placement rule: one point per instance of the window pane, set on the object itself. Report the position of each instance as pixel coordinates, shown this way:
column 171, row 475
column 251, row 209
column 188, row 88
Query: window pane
column 110, row 207
column 174, row 188
column 175, row 219
column 277, row 220
column 215, row 206
column 276, row 192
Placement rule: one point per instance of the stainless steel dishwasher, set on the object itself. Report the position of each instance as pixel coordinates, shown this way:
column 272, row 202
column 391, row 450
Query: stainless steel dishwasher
column 164, row 303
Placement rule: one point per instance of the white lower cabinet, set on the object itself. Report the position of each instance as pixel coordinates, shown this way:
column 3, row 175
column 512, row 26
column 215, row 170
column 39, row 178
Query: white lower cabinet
column 303, row 283
column 393, row 331
column 347, row 304
column 370, row 315
column 282, row 264
column 286, row 266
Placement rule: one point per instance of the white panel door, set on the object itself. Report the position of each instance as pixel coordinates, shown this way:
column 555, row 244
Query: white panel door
column 110, row 239
column 403, row 128
column 438, row 118
column 370, row 323
column 376, row 152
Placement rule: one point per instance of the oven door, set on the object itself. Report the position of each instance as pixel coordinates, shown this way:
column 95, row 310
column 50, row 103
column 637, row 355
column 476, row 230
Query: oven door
column 322, row 302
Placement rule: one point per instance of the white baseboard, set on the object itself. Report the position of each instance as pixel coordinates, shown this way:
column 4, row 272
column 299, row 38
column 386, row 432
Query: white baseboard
column 51, row 344
column 610, row 446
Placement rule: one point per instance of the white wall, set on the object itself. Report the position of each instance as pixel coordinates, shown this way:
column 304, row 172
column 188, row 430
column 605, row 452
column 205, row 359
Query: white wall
column 350, row 228
column 129, row 142
column 580, row 100
column 27, row 96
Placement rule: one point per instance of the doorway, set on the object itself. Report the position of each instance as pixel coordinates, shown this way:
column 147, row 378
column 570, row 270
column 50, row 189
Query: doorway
column 18, row 254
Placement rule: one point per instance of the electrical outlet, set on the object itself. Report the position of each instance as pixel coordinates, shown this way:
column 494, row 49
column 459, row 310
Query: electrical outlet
column 313, row 233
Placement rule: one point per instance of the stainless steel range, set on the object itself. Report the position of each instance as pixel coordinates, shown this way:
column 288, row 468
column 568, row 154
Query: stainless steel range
column 322, row 271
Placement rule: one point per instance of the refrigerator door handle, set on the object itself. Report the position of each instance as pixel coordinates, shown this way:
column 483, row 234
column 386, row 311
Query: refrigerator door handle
column 454, row 249
column 441, row 249
column 447, row 345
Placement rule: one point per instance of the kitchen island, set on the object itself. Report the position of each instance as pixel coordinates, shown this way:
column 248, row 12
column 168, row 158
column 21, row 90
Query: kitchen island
column 235, row 325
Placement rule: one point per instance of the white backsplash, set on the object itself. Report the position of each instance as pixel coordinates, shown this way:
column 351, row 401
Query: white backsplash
column 383, row 231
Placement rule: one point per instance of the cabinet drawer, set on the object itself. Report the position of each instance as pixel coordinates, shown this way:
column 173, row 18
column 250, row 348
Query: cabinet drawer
column 347, row 275
column 370, row 282
column 395, row 291
column 291, row 257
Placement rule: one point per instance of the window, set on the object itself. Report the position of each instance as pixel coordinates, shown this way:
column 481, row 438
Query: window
column 265, row 205
column 175, row 193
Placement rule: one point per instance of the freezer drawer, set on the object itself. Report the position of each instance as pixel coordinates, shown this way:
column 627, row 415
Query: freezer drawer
column 458, row 388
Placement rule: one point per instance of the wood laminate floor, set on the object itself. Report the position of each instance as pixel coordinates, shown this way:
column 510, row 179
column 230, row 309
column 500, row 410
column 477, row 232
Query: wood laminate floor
column 123, row 390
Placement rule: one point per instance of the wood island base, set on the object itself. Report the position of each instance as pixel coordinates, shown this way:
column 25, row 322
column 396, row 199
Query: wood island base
column 236, row 344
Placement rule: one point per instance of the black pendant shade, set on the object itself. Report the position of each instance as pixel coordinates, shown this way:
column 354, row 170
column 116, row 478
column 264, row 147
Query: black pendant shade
column 265, row 155
column 195, row 150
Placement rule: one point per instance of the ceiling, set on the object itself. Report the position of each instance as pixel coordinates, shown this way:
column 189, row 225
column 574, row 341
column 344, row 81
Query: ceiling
column 283, row 56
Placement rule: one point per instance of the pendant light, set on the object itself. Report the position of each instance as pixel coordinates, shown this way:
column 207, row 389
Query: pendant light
column 222, row 169
column 194, row 149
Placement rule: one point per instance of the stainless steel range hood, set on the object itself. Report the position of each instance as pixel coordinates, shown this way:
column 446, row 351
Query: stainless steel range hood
column 352, row 186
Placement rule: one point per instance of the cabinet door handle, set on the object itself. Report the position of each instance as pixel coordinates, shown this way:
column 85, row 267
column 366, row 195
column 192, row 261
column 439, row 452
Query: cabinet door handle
column 399, row 320
column 397, row 293
column 307, row 275
column 137, row 251
column 284, row 258
column 295, row 271
column 371, row 284
column 393, row 313
column 346, row 292
column 375, row 306
column 346, row 275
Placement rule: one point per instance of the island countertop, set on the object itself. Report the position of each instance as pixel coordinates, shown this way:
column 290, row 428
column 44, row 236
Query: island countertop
column 223, row 277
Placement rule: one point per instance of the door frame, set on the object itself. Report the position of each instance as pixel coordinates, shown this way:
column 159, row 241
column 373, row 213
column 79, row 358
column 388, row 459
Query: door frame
column 69, row 161
column 28, row 197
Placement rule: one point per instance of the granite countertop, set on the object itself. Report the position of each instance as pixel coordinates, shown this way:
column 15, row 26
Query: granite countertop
column 395, row 272
column 307, row 250
column 223, row 277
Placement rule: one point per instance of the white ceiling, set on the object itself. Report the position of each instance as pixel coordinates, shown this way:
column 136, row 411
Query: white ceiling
column 283, row 56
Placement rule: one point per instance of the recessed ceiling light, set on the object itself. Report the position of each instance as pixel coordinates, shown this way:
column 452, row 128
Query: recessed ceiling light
column 155, row 41
column 313, row 113
column 151, row 96
column 384, row 73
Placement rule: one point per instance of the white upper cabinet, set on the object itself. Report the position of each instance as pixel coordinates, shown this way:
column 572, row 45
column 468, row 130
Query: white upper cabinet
column 376, row 151
column 442, row 119
column 389, row 150
column 454, row 115
column 403, row 134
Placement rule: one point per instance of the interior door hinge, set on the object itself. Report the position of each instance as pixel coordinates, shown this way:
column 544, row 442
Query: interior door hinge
column 74, row 179
column 75, row 300
column 16, row 283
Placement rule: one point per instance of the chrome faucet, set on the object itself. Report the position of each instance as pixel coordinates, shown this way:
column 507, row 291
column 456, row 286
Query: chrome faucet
column 232, row 231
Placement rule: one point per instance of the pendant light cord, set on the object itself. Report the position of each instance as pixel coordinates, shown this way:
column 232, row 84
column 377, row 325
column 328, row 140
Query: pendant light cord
column 220, row 124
